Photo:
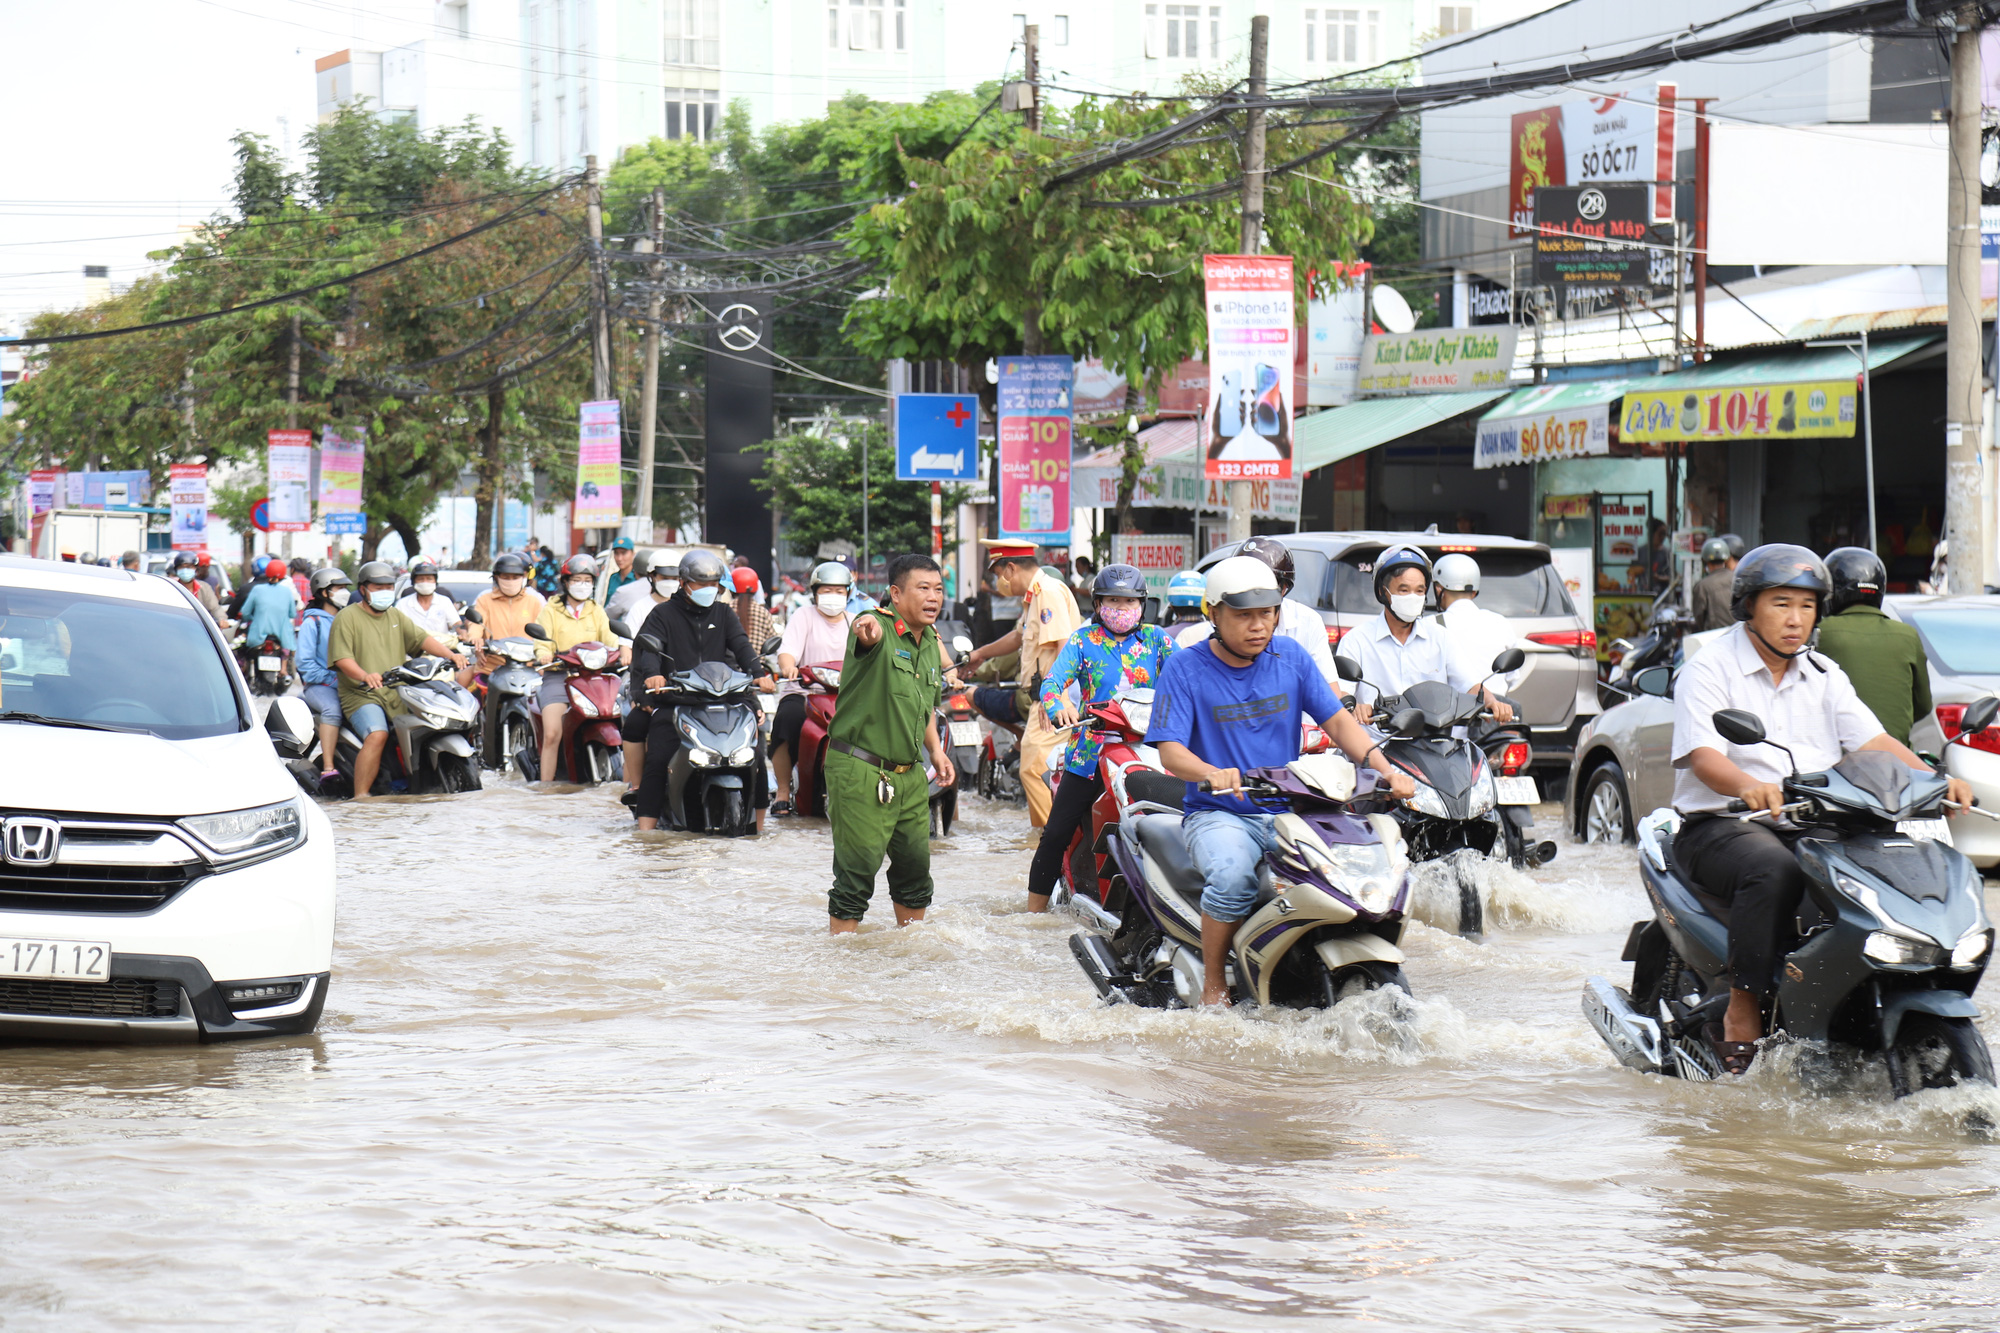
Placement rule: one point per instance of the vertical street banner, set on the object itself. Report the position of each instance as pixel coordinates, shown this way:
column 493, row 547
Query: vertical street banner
column 289, row 480
column 42, row 485
column 1036, row 420
column 187, row 489
column 599, row 502
column 1247, row 432
column 1336, row 326
column 342, row 459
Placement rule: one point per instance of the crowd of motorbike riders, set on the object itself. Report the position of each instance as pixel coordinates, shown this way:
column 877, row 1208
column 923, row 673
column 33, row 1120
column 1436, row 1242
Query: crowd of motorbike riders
column 1215, row 698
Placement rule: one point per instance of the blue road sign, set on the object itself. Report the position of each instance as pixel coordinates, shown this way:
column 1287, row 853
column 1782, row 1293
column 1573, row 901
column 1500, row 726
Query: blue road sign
column 937, row 437
column 346, row 524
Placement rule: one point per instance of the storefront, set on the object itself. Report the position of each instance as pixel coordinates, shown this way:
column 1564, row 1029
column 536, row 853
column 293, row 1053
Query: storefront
column 1402, row 463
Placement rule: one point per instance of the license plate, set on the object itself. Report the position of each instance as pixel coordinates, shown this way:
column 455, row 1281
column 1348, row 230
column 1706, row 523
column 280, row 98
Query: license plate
column 964, row 733
column 270, row 663
column 1517, row 791
column 1925, row 830
column 65, row 960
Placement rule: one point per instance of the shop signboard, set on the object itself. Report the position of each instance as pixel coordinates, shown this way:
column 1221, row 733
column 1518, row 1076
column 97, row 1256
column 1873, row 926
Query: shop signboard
column 1247, row 429
column 1035, row 435
column 1575, row 143
column 1593, row 235
column 187, row 489
column 599, row 502
column 1543, row 423
column 1158, row 558
column 105, row 490
column 1179, row 485
column 288, row 478
column 1489, row 302
column 1621, row 541
column 1438, row 360
column 342, row 459
column 1098, row 391
column 1817, row 409
column 42, row 483
column 1336, row 326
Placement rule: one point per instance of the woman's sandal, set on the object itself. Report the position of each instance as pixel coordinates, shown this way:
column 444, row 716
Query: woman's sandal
column 1733, row 1056
column 781, row 808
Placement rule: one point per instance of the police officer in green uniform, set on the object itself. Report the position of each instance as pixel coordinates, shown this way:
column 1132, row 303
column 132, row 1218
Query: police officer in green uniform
column 1883, row 657
column 877, row 795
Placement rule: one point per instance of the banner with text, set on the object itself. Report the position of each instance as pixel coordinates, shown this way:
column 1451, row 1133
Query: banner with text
column 1336, row 327
column 1180, row 485
column 341, row 461
column 599, row 498
column 187, row 487
column 1247, row 432
column 42, row 483
column 1035, row 427
column 288, row 480
column 1532, row 437
column 1438, row 360
column 1576, row 143
column 1158, row 558
column 1750, row 412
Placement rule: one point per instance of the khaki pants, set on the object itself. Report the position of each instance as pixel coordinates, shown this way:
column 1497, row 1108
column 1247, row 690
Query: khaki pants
column 1038, row 741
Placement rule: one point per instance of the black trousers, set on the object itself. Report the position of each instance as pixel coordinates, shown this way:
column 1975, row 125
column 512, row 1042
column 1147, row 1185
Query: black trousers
column 1068, row 811
column 790, row 721
column 1750, row 866
column 662, row 744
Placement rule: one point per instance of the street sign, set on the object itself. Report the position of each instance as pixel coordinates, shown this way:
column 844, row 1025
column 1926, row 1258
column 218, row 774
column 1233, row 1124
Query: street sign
column 937, row 437
column 347, row 523
column 1593, row 235
column 260, row 515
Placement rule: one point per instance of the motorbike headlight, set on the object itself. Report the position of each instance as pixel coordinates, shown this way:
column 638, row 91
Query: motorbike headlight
column 520, row 652
column 1901, row 950
column 743, row 756
column 593, row 659
column 1970, row 949
column 582, row 703
column 1363, row 871
column 1485, row 795
column 1140, row 715
column 701, row 758
column 829, row 678
column 1428, row 802
column 242, row 834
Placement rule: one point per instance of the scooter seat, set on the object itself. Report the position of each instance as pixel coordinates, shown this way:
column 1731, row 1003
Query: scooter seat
column 1714, row 906
column 1164, row 841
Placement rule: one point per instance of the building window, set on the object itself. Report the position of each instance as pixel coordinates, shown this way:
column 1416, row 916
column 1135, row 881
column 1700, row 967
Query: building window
column 693, row 32
column 1344, row 36
column 869, row 28
column 902, row 25
column 1179, row 37
column 691, row 113
column 1059, row 28
column 1454, row 19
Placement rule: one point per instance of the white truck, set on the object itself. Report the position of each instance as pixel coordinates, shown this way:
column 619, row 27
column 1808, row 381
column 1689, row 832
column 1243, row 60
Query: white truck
column 108, row 533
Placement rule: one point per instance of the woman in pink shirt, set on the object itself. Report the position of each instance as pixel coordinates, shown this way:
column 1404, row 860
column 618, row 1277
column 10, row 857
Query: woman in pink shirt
column 813, row 637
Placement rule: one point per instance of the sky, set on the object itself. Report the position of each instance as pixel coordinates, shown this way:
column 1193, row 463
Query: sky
column 120, row 114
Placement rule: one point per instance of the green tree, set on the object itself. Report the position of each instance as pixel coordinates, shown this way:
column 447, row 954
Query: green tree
column 814, row 479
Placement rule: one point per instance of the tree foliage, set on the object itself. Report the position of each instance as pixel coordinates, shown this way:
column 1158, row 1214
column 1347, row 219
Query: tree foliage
column 815, row 478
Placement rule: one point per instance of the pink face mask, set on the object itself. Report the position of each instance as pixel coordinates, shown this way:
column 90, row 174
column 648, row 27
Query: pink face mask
column 1119, row 619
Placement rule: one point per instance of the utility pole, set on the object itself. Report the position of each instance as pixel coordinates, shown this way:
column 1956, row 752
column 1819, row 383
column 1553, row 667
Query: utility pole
column 600, row 302
column 1701, row 229
column 1965, row 570
column 1253, row 221
column 1031, row 70
column 649, row 377
column 292, row 408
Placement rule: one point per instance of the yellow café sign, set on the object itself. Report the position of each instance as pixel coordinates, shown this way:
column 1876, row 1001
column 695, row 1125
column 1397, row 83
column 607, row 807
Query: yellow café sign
column 1818, row 409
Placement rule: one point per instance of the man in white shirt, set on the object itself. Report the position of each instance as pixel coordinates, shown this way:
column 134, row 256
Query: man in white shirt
column 1295, row 620
column 1478, row 634
column 1404, row 647
column 1806, row 703
column 434, row 610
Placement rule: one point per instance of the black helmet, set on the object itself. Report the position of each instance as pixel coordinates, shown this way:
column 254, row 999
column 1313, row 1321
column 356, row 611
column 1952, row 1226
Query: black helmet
column 509, row 564
column 183, row 558
column 1858, row 576
column 1273, row 553
column 702, row 567
column 423, row 569
column 1736, row 546
column 1777, row 565
column 1715, row 551
column 1393, row 559
column 375, row 571
column 1118, row 581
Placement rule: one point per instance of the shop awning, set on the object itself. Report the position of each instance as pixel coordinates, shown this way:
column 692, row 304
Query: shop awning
column 1566, row 420
column 1797, row 393
column 1342, row 432
column 1793, row 365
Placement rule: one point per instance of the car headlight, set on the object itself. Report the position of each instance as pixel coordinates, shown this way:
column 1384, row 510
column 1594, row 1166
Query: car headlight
column 1485, row 795
column 242, row 834
column 1428, row 802
column 1970, row 949
column 743, row 756
column 701, row 758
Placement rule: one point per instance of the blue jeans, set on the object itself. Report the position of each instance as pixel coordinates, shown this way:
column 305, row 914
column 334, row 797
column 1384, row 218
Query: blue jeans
column 1227, row 848
column 324, row 700
column 367, row 720
column 997, row 704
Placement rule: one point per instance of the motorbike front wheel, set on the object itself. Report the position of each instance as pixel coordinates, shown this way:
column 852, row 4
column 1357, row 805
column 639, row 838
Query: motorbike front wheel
column 1936, row 1052
column 1360, row 978
column 1471, row 912
column 457, row 773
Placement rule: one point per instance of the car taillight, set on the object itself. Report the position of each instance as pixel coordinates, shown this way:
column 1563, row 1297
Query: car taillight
column 1333, row 633
column 1513, row 759
column 1948, row 719
column 1581, row 642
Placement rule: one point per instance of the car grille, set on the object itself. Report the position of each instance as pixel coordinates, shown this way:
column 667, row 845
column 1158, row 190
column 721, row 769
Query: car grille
column 121, row 997
column 61, row 888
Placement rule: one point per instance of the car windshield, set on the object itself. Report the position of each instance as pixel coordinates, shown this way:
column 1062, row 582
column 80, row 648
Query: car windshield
column 1961, row 641
column 1511, row 582
column 114, row 663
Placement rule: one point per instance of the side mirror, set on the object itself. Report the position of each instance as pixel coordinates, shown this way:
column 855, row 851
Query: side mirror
column 1347, row 668
column 619, row 627
column 1510, row 659
column 960, row 644
column 1657, row 681
column 646, row 641
column 535, row 631
column 473, row 617
column 1978, row 716
column 771, row 645
column 1738, row 727
column 1408, row 722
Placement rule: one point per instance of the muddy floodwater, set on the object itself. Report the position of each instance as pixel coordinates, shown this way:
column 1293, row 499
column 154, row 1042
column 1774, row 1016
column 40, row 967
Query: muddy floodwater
column 572, row 1077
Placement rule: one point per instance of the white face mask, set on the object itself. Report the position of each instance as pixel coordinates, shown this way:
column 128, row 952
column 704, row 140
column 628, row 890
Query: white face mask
column 831, row 604
column 581, row 589
column 665, row 587
column 1406, row 606
column 381, row 599
column 425, row 587
column 339, row 596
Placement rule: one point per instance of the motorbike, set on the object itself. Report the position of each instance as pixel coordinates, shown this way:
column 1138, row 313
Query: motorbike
column 1894, row 935
column 1656, row 647
column 590, row 750
column 958, row 732
column 507, row 722
column 998, row 776
column 264, row 667
column 713, row 710
column 1088, row 863
column 1327, row 918
column 1457, row 793
column 1507, row 754
column 430, row 749
column 822, row 684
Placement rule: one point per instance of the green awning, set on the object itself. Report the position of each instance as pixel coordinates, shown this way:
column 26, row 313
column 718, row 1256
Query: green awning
column 1793, row 365
column 1342, row 432
column 1538, row 399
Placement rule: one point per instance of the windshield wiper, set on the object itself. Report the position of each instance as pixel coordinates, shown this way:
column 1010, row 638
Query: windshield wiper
column 78, row 723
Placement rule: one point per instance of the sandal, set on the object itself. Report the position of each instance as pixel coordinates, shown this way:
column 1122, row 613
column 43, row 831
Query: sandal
column 1733, row 1056
column 630, row 799
column 781, row 808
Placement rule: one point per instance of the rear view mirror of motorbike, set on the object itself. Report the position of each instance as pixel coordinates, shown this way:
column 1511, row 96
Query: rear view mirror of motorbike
column 646, row 641
column 771, row 645
column 1510, row 659
column 1657, row 681
column 1408, row 722
column 1347, row 668
column 535, row 631
column 1738, row 727
column 472, row 615
column 961, row 645
column 1978, row 717
column 620, row 628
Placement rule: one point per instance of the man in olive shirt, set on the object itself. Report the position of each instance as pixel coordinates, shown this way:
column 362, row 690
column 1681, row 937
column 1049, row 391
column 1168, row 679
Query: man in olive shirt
column 877, row 796
column 1883, row 657
column 1712, row 592
column 370, row 636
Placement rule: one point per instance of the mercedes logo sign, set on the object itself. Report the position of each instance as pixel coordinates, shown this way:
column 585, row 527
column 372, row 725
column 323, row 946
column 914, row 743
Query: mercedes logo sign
column 1590, row 205
column 741, row 327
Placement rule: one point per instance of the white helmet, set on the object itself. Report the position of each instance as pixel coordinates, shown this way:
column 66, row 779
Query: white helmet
column 1457, row 573
column 1241, row 581
column 664, row 560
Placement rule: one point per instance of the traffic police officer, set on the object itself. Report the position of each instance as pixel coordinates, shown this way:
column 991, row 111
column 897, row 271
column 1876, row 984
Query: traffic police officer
column 1048, row 617
column 1883, row 657
column 877, row 794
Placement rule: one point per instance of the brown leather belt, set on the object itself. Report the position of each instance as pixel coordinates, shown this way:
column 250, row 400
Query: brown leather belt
column 867, row 758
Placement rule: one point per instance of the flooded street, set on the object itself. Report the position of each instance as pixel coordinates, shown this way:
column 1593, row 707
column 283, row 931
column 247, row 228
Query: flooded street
column 573, row 1077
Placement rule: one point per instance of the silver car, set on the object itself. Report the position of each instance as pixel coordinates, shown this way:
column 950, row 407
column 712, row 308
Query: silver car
column 1557, row 695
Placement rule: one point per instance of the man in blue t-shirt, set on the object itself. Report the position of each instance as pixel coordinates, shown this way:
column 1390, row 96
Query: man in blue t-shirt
column 1230, row 704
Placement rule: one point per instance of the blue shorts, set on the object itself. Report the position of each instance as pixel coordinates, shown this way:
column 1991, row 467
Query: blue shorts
column 367, row 720
column 324, row 700
column 997, row 704
column 1227, row 848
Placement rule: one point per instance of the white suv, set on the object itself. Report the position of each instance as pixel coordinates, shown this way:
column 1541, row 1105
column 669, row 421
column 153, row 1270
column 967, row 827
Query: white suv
column 161, row 877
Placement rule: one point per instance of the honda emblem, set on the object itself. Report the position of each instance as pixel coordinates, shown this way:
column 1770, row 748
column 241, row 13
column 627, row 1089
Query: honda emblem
column 31, row 842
